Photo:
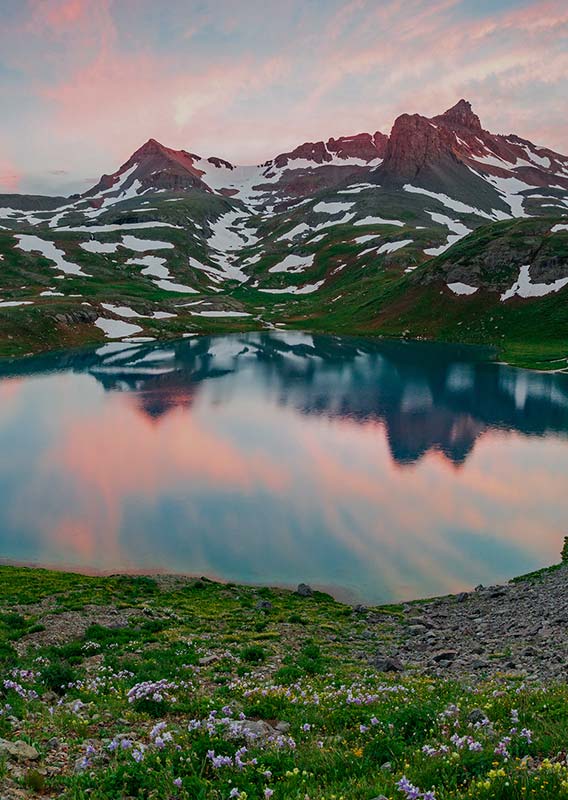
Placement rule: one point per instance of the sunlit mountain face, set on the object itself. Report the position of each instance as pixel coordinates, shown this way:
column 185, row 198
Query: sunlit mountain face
column 375, row 470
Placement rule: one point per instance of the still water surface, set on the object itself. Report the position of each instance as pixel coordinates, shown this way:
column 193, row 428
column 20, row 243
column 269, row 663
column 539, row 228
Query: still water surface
column 377, row 471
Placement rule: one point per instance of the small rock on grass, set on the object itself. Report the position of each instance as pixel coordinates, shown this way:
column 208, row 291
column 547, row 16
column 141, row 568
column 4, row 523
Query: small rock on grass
column 22, row 751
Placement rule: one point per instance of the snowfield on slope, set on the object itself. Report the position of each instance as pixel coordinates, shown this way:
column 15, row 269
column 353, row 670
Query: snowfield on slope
column 307, row 289
column 116, row 328
column 462, row 288
column 459, row 230
column 293, row 263
column 524, row 287
column 31, row 244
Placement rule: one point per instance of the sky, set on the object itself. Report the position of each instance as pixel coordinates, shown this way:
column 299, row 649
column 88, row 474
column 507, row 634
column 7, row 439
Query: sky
column 83, row 83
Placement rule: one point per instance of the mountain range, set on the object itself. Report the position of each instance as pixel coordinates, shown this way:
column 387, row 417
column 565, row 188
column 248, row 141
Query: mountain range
column 439, row 230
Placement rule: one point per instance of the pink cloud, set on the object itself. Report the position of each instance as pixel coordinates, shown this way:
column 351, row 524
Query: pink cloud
column 10, row 176
column 109, row 89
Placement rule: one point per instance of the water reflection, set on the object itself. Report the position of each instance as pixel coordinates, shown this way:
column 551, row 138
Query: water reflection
column 379, row 470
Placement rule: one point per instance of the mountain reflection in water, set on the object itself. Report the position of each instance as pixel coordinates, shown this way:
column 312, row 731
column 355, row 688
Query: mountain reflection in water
column 379, row 470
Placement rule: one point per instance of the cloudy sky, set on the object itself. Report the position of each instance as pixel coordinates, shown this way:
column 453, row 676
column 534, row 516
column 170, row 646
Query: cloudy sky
column 84, row 82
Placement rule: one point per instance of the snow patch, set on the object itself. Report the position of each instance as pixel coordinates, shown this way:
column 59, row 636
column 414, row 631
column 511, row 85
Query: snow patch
column 219, row 314
column 378, row 221
column 462, row 288
column 293, row 263
column 30, row 244
column 459, row 230
column 143, row 245
column 307, row 289
column 524, row 287
column 92, row 246
column 116, row 328
column 326, row 207
column 449, row 202
column 390, row 247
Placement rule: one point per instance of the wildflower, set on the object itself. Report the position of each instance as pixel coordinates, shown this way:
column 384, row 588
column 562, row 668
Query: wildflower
column 268, row 793
column 501, row 749
column 157, row 729
column 363, row 728
column 152, row 690
column 177, row 783
column 138, row 755
column 306, row 726
column 405, row 786
column 526, row 734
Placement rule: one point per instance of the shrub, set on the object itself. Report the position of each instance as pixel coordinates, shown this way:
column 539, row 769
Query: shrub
column 253, row 654
column 57, row 676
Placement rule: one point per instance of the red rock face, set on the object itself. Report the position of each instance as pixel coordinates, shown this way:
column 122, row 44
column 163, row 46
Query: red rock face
column 220, row 162
column 446, row 142
column 459, row 116
column 158, row 167
column 363, row 145
column 415, row 142
column 311, row 151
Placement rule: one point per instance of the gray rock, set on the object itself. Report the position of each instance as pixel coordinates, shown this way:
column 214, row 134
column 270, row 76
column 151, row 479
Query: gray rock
column 476, row 715
column 206, row 660
column 263, row 605
column 21, row 751
column 416, row 630
column 304, row 590
column 444, row 655
column 388, row 663
column 259, row 728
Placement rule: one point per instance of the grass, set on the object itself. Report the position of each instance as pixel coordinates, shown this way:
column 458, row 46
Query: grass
column 363, row 294
column 153, row 706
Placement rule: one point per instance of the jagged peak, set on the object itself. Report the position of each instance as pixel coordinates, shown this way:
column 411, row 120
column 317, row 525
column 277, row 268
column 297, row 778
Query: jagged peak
column 461, row 114
column 149, row 147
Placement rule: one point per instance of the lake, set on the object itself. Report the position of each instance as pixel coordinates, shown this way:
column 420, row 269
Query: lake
column 378, row 471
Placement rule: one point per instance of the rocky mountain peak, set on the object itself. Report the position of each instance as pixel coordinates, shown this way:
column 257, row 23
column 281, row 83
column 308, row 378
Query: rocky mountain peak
column 414, row 142
column 461, row 115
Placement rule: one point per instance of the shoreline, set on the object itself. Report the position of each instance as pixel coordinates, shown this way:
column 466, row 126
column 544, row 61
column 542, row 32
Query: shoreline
column 487, row 631
column 494, row 351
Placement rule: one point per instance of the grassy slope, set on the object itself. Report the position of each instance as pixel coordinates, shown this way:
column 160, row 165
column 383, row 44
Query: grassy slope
column 375, row 298
column 300, row 660
column 362, row 294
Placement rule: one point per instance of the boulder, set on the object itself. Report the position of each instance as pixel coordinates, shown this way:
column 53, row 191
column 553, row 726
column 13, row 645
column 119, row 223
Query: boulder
column 20, row 750
column 388, row 663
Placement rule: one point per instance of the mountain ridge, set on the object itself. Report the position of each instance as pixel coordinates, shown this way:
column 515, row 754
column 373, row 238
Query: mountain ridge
column 439, row 230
